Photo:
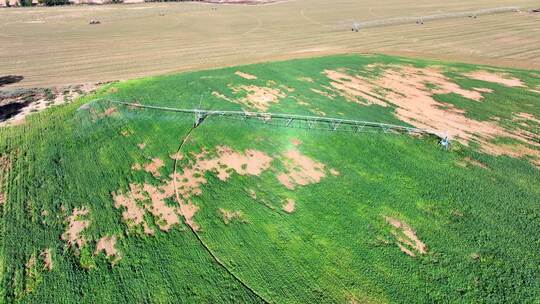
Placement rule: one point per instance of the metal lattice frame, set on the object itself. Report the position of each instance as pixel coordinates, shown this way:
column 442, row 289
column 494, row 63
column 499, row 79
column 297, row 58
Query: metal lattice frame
column 296, row 121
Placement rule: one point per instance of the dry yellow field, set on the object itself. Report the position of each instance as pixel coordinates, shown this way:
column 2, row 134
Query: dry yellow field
column 57, row 46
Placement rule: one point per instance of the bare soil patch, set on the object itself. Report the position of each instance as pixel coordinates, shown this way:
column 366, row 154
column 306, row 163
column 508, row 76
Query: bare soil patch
column 252, row 193
column 498, row 78
column 77, row 223
column 16, row 104
column 306, row 79
column 295, row 142
column 107, row 245
column 326, row 94
column 300, row 170
column 133, row 214
column 176, row 156
column 469, row 161
column 154, row 166
column 407, row 240
column 258, row 98
column 167, row 216
column 46, row 257
column 5, row 165
column 483, row 90
column 228, row 216
column 406, row 87
column 245, row 75
column 527, row 117
column 289, row 205
column 187, row 182
column 334, row 172
column 109, row 111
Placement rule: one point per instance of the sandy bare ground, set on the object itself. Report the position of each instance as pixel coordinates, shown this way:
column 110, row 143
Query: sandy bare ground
column 228, row 216
column 5, row 165
column 300, row 170
column 77, row 223
column 405, row 87
column 16, row 104
column 194, row 36
column 181, row 186
column 46, row 257
column 187, row 183
column 245, row 75
column 289, row 205
column 132, row 214
column 406, row 238
column 496, row 78
column 107, row 245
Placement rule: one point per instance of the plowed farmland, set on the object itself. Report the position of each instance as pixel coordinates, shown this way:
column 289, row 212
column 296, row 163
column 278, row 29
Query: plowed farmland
column 57, row 46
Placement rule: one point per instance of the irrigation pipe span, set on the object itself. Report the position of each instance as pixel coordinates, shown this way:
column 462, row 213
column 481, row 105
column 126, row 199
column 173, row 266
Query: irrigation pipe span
column 292, row 120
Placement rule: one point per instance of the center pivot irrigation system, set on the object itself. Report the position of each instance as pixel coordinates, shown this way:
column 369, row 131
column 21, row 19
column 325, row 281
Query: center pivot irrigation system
column 421, row 19
column 299, row 121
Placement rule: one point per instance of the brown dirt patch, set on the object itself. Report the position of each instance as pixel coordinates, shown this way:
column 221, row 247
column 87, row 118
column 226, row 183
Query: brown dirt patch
column 46, row 257
column 286, row 88
column 109, row 111
column 153, row 167
column 221, row 96
column 527, row 116
column 29, row 101
column 176, row 156
column 498, row 78
column 5, row 165
column 351, row 88
column 136, row 167
column 483, row 90
column 324, row 93
column 167, row 216
column 107, row 245
column 300, row 170
column 188, row 211
column 334, row 172
column 306, row 79
column 133, row 214
column 406, row 88
column 259, row 98
column 245, row 75
column 289, row 205
column 77, row 222
column 228, row 216
column 295, row 142
column 187, row 182
column 516, row 151
column 469, row 161
column 251, row 162
column 141, row 145
column 407, row 240
column 125, row 133
column 252, row 193
column 31, row 263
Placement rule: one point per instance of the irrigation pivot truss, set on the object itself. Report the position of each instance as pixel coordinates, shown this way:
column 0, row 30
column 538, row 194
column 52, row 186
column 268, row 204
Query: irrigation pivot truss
column 421, row 19
column 296, row 121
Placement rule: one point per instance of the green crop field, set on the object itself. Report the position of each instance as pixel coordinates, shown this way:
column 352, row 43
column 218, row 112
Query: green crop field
column 107, row 203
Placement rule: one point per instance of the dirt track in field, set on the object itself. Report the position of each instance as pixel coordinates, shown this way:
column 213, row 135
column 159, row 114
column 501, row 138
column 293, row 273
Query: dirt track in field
column 57, row 46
